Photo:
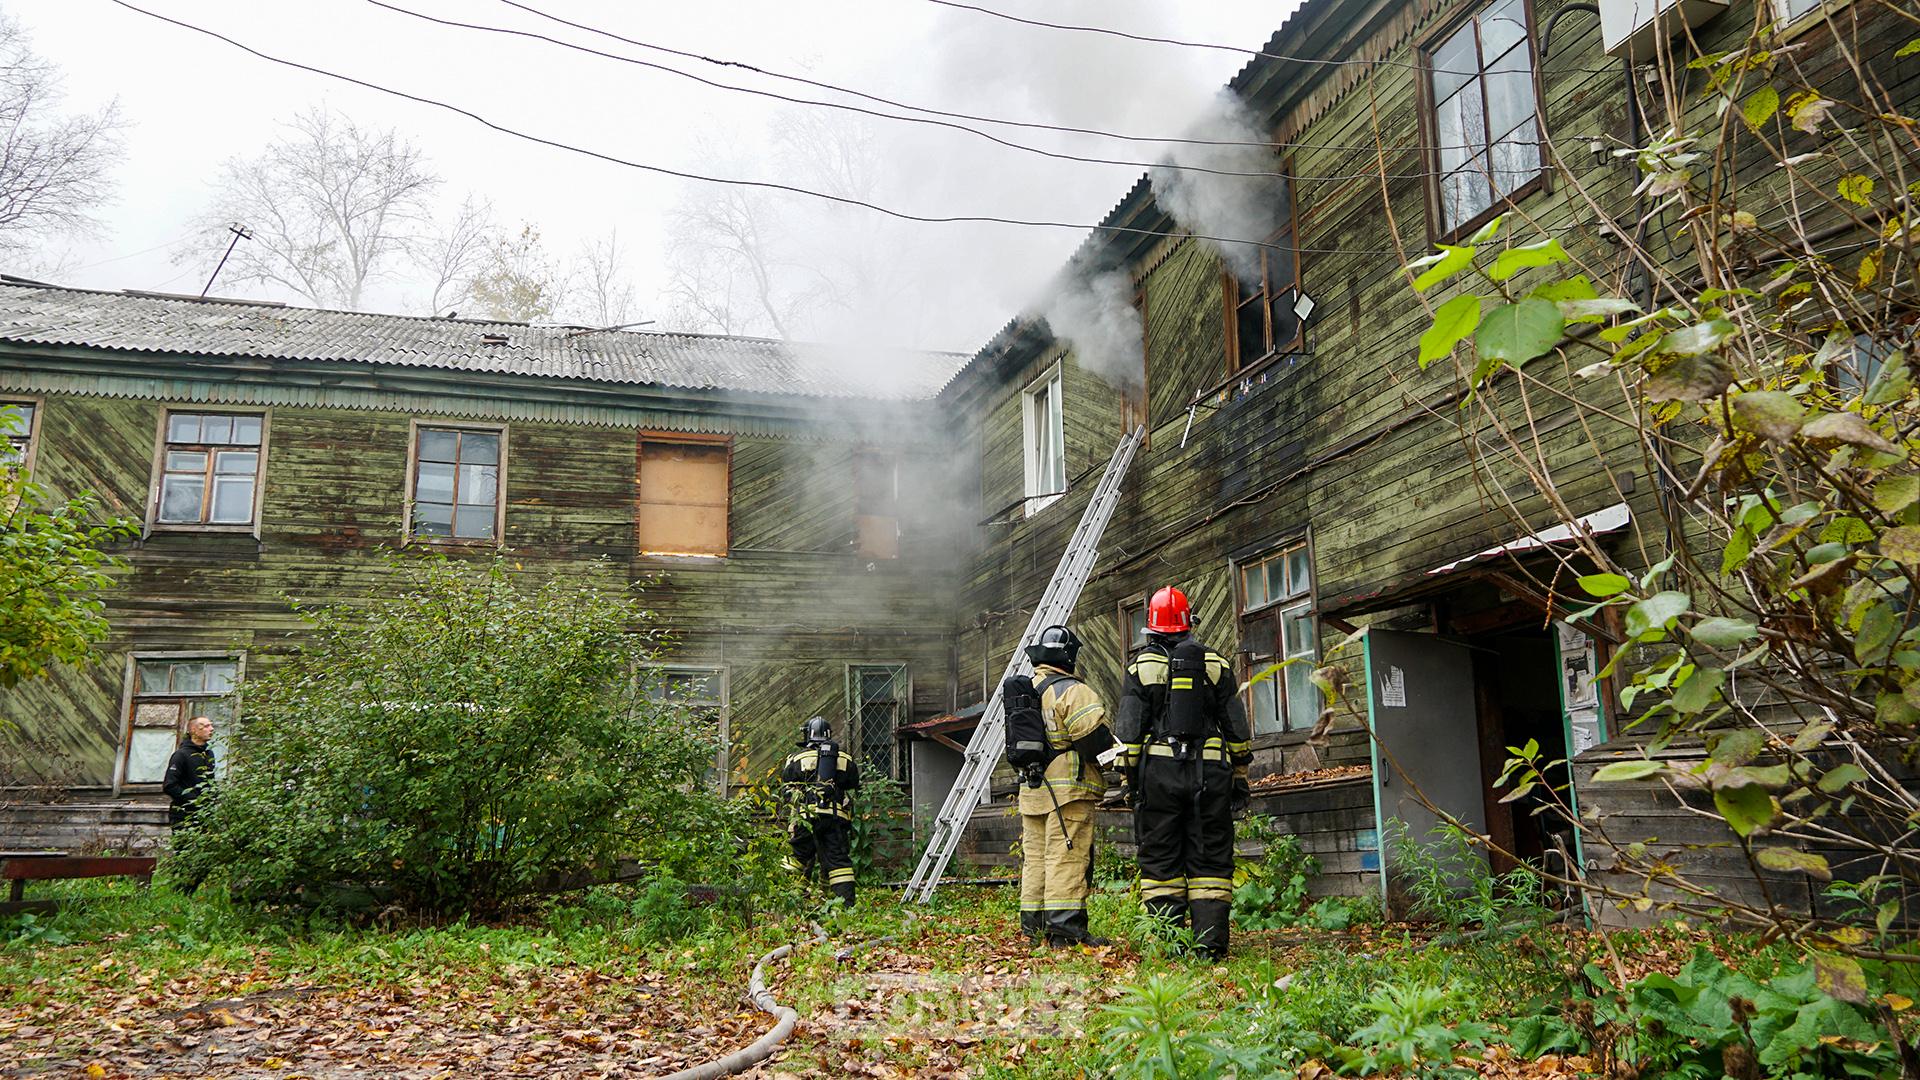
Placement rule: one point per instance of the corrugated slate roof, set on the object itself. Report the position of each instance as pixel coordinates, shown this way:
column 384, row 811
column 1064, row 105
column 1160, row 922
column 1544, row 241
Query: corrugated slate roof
column 40, row 314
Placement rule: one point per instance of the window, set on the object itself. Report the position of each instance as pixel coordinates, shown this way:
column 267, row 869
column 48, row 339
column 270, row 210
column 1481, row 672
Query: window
column 209, row 469
column 703, row 692
column 168, row 692
column 1133, row 624
column 1486, row 127
column 1046, row 442
column 1276, row 625
column 16, row 432
column 455, row 493
column 683, row 495
column 1261, row 321
column 876, row 489
column 1789, row 11
column 877, row 696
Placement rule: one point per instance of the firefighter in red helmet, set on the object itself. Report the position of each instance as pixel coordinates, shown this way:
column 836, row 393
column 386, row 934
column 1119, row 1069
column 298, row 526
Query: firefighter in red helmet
column 1185, row 749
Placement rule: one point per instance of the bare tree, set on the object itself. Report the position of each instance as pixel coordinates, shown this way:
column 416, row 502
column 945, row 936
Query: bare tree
column 724, row 270
column 451, row 254
column 331, row 206
column 601, row 295
column 53, row 165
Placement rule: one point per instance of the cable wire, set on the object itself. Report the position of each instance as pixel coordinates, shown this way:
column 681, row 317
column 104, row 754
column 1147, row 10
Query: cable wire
column 682, row 174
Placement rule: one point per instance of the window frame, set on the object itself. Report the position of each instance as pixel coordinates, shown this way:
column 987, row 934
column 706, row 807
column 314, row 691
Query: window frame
column 723, row 760
column 499, row 537
column 855, row 743
column 1123, row 610
column 1278, row 610
column 1787, row 26
column 39, row 406
column 129, row 696
column 1232, row 303
column 1438, row 232
column 1053, row 382
column 640, row 442
column 153, row 524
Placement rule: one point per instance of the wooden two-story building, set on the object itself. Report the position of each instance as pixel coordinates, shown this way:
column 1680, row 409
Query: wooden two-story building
column 775, row 502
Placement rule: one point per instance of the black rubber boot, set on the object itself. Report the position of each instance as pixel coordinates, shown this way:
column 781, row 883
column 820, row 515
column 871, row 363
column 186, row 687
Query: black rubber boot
column 1033, row 924
column 1066, row 928
column 844, row 892
column 1210, row 926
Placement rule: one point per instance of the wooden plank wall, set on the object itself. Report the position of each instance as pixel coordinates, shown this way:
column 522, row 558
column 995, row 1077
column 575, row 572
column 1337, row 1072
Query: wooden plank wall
column 785, row 613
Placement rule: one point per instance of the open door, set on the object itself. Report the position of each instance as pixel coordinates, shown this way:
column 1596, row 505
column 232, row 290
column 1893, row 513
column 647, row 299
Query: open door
column 1421, row 704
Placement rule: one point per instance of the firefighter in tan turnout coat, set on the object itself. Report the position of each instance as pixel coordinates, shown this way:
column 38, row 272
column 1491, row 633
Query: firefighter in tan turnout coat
column 1057, row 800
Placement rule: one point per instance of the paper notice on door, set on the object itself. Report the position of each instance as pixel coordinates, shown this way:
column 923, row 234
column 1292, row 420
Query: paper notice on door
column 1584, row 727
column 1393, row 688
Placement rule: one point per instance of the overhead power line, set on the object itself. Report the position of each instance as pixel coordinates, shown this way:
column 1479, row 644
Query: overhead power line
column 1267, row 174
column 683, row 174
column 1263, row 174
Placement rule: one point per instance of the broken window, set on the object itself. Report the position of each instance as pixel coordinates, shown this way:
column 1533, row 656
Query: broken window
column 167, row 693
column 456, row 483
column 1261, row 318
column 876, row 490
column 681, row 507
column 16, row 432
column 1277, row 625
column 1046, row 442
column 877, row 697
column 209, row 469
column 1485, row 115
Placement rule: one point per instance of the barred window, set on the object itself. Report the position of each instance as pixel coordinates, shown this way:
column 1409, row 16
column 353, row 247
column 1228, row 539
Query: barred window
column 877, row 699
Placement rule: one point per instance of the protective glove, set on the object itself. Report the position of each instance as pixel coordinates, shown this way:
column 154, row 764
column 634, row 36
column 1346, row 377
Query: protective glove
column 1242, row 795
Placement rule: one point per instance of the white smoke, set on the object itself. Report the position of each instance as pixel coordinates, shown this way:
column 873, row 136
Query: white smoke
column 1094, row 313
column 1242, row 210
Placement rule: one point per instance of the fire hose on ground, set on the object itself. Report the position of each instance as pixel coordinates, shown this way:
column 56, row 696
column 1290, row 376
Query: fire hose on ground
column 785, row 1019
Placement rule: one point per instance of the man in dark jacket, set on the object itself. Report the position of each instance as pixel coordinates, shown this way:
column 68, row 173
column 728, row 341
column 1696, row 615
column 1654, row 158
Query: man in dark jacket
column 189, row 771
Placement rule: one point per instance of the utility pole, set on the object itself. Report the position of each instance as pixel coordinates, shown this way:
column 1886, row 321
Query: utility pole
column 240, row 233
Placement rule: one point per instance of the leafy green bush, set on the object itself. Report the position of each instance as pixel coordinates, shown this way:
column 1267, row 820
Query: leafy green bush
column 1271, row 891
column 1449, row 882
column 452, row 743
column 1410, row 1031
column 881, row 838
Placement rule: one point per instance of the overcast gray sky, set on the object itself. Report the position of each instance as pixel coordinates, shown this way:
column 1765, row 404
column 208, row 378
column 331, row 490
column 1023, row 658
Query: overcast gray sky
column 191, row 103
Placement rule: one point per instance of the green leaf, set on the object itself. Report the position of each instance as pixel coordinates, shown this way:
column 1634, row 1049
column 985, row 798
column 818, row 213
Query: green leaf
column 1622, row 771
column 1856, row 189
column 1760, row 106
column 1908, row 49
column 1488, row 231
column 1747, row 808
column 1441, row 265
column 1514, row 260
column 1452, row 323
column 1738, row 747
column 1655, row 612
column 1605, row 584
column 1793, row 860
column 1698, row 338
column 1772, row 414
column 1837, row 778
column 1739, row 549
column 1846, row 529
column 1821, row 554
column 1700, row 690
column 1902, row 545
column 1895, row 493
column 1516, row 333
column 1724, row 633
column 1566, row 289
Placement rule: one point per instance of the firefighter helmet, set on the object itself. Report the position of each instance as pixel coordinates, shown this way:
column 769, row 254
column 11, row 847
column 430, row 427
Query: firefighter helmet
column 1168, row 613
column 816, row 731
column 1057, row 646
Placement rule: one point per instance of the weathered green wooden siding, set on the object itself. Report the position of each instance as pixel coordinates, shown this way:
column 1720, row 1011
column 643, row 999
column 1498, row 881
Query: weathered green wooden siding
column 784, row 614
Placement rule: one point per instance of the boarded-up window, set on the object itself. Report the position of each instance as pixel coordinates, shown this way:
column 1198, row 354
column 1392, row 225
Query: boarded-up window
column 876, row 489
column 166, row 694
column 682, row 501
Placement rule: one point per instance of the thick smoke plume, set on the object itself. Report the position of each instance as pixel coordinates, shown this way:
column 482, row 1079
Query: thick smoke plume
column 1094, row 312
column 1244, row 210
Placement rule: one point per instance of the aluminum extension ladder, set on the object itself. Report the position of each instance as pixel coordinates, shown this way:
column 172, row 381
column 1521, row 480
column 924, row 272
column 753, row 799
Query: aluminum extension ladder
column 1055, row 607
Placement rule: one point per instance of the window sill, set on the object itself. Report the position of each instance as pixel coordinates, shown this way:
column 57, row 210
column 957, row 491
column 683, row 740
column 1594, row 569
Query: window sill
column 680, row 557
column 249, row 530
column 1036, row 504
column 453, row 543
column 1788, row 31
column 1262, row 366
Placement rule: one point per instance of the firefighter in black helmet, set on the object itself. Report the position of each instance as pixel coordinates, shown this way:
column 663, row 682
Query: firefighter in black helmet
column 820, row 780
column 1185, row 750
column 1057, row 799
